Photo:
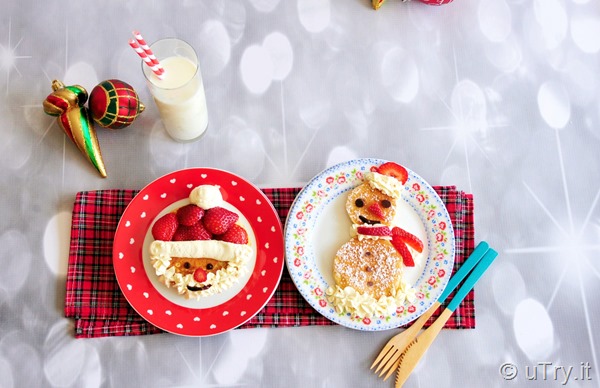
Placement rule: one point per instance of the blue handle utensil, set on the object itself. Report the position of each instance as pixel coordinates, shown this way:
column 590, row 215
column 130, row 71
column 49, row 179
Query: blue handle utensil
column 389, row 357
column 417, row 348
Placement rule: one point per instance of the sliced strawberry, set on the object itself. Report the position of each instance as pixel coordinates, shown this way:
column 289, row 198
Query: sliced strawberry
column 200, row 275
column 236, row 234
column 218, row 220
column 164, row 228
column 395, row 170
column 402, row 249
column 374, row 231
column 376, row 210
column 189, row 215
column 413, row 241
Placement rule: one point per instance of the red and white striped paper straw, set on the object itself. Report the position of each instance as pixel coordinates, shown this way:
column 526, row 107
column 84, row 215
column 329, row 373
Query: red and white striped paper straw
column 159, row 71
column 142, row 42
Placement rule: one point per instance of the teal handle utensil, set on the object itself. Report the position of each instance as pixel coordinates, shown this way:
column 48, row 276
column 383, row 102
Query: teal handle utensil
column 415, row 350
column 464, row 270
column 479, row 270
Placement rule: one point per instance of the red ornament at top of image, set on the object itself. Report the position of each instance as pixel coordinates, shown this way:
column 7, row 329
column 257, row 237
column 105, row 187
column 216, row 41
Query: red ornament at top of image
column 435, row 2
column 114, row 104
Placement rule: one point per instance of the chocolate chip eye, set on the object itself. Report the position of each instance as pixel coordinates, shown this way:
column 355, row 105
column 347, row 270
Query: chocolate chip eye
column 359, row 203
column 385, row 203
column 209, row 266
column 186, row 265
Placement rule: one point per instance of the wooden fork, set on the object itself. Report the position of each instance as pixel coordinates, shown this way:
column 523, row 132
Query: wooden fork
column 417, row 348
column 389, row 357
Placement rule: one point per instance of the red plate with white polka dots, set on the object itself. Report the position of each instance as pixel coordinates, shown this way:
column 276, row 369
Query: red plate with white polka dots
column 162, row 306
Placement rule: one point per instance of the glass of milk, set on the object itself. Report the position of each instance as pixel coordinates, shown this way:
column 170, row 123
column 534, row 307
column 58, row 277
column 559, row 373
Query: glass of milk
column 179, row 95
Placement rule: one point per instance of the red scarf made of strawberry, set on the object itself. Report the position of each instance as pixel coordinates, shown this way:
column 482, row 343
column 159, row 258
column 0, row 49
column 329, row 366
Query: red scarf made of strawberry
column 400, row 238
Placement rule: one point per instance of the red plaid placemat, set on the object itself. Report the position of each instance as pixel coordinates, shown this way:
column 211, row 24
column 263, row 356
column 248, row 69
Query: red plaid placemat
column 94, row 300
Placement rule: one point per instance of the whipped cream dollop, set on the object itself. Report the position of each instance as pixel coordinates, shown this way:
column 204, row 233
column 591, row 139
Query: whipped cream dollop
column 237, row 255
column 348, row 300
column 206, row 196
column 384, row 183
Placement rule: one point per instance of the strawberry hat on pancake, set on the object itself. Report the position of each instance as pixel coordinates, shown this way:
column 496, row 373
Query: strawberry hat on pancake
column 389, row 178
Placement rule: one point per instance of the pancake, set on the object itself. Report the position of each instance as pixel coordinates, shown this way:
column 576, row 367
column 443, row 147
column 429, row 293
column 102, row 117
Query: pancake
column 361, row 201
column 369, row 266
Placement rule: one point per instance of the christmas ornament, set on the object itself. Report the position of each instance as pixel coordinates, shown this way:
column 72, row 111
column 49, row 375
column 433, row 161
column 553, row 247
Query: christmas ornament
column 379, row 3
column 67, row 103
column 114, row 104
column 435, row 2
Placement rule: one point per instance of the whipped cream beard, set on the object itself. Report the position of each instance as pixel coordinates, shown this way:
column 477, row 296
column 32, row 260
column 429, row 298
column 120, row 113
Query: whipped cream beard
column 235, row 255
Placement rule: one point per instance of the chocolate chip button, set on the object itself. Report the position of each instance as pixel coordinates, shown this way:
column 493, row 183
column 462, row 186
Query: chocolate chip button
column 370, row 283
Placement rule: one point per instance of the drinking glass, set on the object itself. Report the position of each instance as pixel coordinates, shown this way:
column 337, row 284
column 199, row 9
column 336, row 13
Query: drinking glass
column 179, row 95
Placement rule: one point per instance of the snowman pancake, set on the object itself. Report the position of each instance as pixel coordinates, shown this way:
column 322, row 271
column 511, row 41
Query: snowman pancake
column 368, row 269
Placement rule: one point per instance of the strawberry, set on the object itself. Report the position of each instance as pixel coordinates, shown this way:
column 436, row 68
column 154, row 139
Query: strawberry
column 236, row 234
column 199, row 232
column 218, row 220
column 189, row 215
column 402, row 249
column 191, row 233
column 376, row 231
column 375, row 209
column 395, row 170
column 181, row 234
column 413, row 241
column 200, row 275
column 164, row 228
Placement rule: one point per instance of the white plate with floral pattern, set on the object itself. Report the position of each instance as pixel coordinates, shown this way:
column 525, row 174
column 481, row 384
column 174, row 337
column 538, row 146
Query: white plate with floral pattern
column 318, row 225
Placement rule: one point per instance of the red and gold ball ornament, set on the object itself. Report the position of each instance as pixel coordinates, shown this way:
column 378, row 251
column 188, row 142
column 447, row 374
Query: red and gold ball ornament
column 114, row 104
column 435, row 2
column 379, row 3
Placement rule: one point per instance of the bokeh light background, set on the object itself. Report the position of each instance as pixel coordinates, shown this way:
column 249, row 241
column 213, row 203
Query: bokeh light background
column 498, row 97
